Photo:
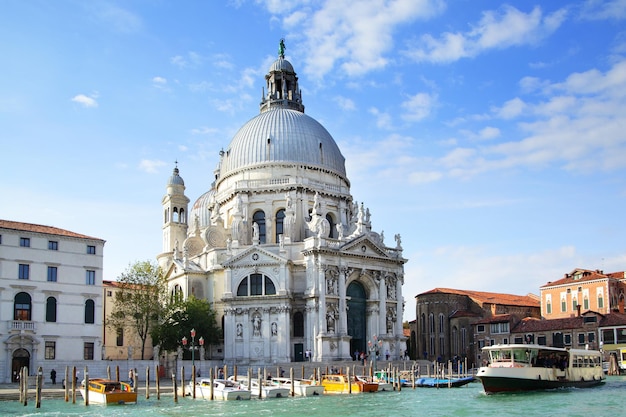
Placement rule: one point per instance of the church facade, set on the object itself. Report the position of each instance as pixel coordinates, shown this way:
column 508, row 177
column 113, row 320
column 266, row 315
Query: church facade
column 278, row 245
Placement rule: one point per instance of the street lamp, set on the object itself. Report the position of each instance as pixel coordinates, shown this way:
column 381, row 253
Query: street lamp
column 193, row 348
column 373, row 346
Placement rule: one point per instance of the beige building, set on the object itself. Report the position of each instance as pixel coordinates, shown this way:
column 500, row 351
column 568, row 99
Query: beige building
column 50, row 297
column 289, row 260
column 120, row 344
column 583, row 290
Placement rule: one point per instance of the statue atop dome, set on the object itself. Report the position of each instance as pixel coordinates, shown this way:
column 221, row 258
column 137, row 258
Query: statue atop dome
column 281, row 49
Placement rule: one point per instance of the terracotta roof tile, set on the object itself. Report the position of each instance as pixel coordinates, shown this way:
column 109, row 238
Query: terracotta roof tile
column 37, row 228
column 585, row 275
column 491, row 297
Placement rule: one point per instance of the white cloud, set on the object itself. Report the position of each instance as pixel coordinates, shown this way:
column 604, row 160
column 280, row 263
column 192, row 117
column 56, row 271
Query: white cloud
column 511, row 109
column 151, row 167
column 85, row 101
column 345, row 103
column 159, row 80
column 354, row 36
column 604, row 9
column 418, row 107
column 489, row 132
column 500, row 29
column 383, row 119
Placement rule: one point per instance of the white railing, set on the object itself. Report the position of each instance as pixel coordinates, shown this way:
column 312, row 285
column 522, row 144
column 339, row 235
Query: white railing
column 21, row 325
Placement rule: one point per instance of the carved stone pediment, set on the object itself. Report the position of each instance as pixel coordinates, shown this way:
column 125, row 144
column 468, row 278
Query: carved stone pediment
column 365, row 247
column 254, row 256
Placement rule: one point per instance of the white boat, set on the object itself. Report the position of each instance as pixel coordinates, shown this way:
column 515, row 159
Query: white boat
column 520, row 367
column 382, row 384
column 301, row 387
column 266, row 388
column 105, row 391
column 223, row 389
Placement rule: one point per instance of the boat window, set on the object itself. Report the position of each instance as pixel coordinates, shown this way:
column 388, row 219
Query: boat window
column 521, row 355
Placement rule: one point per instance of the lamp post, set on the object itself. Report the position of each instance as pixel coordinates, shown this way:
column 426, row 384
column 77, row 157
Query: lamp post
column 193, row 347
column 372, row 346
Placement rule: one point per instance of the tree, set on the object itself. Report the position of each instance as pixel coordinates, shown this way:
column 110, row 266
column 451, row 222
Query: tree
column 178, row 320
column 139, row 300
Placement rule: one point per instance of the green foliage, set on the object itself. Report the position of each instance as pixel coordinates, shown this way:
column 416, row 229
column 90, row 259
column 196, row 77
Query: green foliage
column 139, row 300
column 178, row 320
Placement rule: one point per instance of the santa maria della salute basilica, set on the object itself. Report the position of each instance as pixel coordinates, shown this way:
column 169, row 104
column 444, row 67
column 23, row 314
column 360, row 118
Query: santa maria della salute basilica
column 279, row 247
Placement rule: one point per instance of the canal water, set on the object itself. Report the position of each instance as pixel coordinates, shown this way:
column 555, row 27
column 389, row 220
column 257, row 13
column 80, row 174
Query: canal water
column 606, row 400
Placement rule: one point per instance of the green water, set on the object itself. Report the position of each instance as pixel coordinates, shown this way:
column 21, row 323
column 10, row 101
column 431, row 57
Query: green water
column 606, row 400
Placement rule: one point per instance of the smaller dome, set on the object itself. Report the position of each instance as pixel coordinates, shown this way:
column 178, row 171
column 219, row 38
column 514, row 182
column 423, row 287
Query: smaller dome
column 281, row 65
column 176, row 179
column 201, row 209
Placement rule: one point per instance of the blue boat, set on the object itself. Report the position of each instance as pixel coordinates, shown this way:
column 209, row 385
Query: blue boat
column 430, row 382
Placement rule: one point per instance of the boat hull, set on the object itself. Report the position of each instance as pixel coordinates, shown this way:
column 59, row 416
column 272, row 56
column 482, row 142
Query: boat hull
column 442, row 382
column 222, row 390
column 493, row 385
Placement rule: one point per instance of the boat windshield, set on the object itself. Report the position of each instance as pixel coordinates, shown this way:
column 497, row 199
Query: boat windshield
column 519, row 355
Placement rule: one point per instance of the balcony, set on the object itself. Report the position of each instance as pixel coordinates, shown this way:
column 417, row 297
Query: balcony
column 21, row 325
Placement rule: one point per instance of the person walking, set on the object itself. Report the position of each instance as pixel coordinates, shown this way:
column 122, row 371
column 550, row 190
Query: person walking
column 53, row 376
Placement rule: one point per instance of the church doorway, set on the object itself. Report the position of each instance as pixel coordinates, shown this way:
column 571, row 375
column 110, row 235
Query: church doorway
column 356, row 317
column 21, row 358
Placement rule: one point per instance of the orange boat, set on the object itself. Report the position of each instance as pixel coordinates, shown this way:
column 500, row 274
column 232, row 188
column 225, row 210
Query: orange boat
column 339, row 384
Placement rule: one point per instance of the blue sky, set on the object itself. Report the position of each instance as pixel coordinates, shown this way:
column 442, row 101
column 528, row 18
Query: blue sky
column 491, row 136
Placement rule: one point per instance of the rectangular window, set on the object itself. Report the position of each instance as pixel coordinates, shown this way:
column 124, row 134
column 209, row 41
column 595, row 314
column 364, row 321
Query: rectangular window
column 109, row 293
column 90, row 277
column 567, row 339
column 591, row 337
column 120, row 337
column 480, row 328
column 51, row 348
column 88, row 351
column 52, row 273
column 53, row 245
column 24, row 271
column 581, row 338
column 586, row 304
column 25, row 242
column 497, row 328
column 563, row 306
column 518, row 340
column 549, row 308
column 621, row 335
column 541, row 340
column 91, row 250
column 600, row 302
column 608, row 336
column 574, row 304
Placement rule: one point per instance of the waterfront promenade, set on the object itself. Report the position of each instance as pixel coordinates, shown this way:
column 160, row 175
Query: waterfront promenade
column 10, row 391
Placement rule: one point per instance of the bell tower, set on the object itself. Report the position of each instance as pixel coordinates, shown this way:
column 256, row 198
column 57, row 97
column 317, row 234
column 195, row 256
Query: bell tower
column 174, row 204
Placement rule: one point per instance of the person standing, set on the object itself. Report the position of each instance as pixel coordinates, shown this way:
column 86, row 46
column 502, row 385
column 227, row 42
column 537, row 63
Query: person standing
column 53, row 376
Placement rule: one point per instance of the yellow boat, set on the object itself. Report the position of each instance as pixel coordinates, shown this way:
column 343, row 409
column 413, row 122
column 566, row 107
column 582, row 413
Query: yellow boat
column 105, row 391
column 338, row 384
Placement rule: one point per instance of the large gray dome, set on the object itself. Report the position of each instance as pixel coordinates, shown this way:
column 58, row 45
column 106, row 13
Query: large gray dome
column 283, row 135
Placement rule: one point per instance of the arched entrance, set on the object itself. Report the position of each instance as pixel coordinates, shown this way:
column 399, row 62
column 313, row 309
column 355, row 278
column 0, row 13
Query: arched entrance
column 356, row 317
column 21, row 358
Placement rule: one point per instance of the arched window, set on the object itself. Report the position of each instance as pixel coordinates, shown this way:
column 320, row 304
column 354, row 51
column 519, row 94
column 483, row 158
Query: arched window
column 22, row 306
column 256, row 284
column 441, row 323
column 259, row 219
column 90, row 309
column 176, row 294
column 431, row 323
column 166, row 215
column 423, row 323
column 332, row 231
column 549, row 307
column 51, row 309
column 298, row 324
column 175, row 215
column 280, row 220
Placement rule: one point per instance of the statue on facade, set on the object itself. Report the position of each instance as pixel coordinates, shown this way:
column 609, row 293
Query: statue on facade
column 256, row 325
column 239, row 330
column 330, row 321
column 255, row 231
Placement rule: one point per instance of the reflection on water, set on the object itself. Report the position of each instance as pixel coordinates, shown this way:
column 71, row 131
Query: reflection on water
column 467, row 401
